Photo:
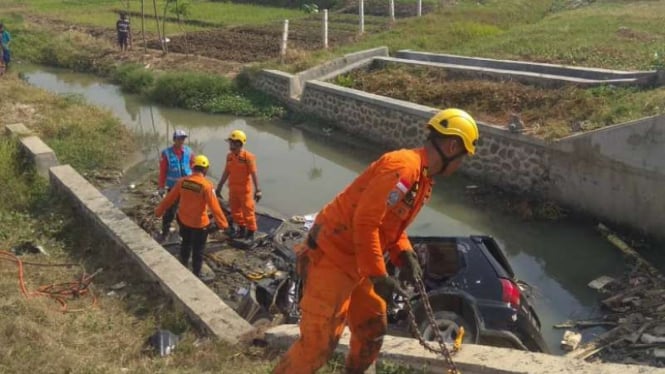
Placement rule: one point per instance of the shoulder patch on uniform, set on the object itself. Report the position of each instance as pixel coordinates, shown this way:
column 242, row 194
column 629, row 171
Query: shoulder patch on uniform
column 403, row 185
column 192, row 186
column 393, row 197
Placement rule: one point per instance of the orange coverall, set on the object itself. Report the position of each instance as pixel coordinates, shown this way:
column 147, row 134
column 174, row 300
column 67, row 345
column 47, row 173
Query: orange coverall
column 351, row 234
column 240, row 168
column 196, row 194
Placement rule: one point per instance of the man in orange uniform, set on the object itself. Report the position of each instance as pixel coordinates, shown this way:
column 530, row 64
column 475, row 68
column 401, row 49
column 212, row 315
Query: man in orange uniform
column 342, row 263
column 196, row 195
column 240, row 167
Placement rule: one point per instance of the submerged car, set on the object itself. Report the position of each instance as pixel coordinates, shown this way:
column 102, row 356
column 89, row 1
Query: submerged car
column 468, row 279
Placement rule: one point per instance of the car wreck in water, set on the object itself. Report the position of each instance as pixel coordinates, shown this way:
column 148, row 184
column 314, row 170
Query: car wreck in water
column 468, row 279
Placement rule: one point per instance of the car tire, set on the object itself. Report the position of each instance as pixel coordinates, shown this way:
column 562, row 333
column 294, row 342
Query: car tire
column 449, row 324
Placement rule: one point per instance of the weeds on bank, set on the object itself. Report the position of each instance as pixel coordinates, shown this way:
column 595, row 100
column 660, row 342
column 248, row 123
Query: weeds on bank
column 196, row 91
column 547, row 113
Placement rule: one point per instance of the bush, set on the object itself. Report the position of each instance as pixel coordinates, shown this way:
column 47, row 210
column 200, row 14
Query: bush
column 189, row 90
column 133, row 78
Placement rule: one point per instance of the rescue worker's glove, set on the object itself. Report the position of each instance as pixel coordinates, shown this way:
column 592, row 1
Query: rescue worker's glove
column 218, row 193
column 258, row 195
column 386, row 286
column 410, row 269
column 161, row 192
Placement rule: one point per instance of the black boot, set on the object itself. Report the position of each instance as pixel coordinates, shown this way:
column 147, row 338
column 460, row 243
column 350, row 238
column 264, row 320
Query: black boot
column 249, row 235
column 241, row 233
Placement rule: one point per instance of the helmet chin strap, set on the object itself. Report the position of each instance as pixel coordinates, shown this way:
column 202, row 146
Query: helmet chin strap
column 445, row 160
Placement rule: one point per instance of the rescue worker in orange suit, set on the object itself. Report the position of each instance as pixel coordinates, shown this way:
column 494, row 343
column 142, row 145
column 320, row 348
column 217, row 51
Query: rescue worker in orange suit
column 196, row 196
column 342, row 261
column 240, row 170
column 176, row 162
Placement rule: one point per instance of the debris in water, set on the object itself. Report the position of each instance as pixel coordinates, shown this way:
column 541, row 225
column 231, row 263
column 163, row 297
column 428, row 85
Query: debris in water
column 571, row 340
column 600, row 282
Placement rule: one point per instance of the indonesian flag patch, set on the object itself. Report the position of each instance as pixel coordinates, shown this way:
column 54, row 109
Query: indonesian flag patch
column 403, row 185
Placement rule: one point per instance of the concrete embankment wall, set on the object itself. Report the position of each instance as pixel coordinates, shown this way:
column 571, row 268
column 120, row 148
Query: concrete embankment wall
column 615, row 173
column 547, row 71
column 202, row 305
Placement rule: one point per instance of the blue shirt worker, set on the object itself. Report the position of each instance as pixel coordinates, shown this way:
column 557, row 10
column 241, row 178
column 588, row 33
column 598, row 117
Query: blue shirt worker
column 176, row 162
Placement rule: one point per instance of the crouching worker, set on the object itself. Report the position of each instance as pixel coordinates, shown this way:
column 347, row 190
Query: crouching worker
column 196, row 195
column 342, row 262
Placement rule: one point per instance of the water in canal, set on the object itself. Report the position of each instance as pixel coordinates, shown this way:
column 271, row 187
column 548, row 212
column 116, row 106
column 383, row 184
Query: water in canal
column 299, row 173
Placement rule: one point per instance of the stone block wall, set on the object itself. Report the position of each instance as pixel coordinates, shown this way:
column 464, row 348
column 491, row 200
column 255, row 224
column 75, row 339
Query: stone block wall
column 505, row 159
column 274, row 83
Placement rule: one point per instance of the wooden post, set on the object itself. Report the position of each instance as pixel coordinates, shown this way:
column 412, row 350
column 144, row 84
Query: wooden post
column 420, row 8
column 361, row 13
column 145, row 43
column 392, row 10
column 325, row 28
column 285, row 38
column 159, row 34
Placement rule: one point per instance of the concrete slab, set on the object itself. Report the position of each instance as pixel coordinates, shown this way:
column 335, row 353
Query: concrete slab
column 472, row 359
column 42, row 154
column 18, row 130
column 202, row 305
column 538, row 78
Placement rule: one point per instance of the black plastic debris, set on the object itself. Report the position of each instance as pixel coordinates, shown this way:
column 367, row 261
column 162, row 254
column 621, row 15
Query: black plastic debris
column 164, row 342
column 27, row 247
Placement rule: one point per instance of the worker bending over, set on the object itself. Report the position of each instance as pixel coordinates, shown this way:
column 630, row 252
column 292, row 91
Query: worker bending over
column 196, row 196
column 342, row 264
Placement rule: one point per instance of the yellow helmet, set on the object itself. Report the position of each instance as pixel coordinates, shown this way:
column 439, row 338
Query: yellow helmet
column 201, row 161
column 238, row 135
column 456, row 122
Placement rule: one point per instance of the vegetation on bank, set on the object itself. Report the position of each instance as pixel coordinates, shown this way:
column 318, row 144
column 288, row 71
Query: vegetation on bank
column 196, row 91
column 183, row 89
column 546, row 113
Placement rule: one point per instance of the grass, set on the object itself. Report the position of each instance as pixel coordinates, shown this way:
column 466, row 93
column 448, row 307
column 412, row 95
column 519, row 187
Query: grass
column 545, row 112
column 103, row 13
column 82, row 135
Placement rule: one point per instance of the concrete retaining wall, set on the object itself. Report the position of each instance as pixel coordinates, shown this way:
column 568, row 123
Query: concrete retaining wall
column 643, row 77
column 202, row 305
column 526, row 77
column 471, row 359
column 503, row 158
column 616, row 172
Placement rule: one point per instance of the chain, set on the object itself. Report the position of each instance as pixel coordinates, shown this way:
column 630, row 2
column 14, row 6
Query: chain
column 442, row 350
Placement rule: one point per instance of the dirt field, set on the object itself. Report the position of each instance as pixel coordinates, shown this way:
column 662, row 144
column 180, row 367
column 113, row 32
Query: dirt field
column 252, row 44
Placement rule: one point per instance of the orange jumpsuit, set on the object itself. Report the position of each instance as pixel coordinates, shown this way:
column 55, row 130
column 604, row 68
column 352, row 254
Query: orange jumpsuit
column 196, row 194
column 351, row 234
column 240, row 168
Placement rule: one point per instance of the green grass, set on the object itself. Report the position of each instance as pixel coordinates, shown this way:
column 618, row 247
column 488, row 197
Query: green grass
column 102, row 13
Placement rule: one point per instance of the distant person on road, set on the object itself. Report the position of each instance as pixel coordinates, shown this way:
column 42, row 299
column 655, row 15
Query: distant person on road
column 196, row 196
column 176, row 162
column 124, row 33
column 342, row 264
column 240, row 170
column 5, row 39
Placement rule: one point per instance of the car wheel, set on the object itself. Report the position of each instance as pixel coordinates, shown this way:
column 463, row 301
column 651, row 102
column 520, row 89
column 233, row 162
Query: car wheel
column 449, row 324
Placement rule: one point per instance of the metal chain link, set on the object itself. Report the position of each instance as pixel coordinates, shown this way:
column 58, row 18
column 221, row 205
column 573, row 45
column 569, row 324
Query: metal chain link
column 442, row 350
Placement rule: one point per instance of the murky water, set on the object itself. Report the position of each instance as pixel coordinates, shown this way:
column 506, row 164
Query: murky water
column 299, row 172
